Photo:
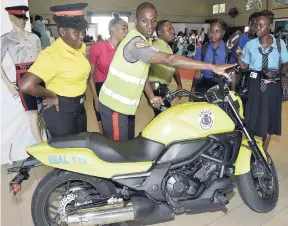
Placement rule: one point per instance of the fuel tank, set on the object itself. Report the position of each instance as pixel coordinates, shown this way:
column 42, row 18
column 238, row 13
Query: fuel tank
column 188, row 121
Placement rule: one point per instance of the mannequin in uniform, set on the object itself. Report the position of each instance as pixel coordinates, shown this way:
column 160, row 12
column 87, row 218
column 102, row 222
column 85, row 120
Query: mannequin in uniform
column 23, row 48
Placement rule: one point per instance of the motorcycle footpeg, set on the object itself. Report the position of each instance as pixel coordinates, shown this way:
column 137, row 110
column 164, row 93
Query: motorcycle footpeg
column 220, row 198
column 15, row 184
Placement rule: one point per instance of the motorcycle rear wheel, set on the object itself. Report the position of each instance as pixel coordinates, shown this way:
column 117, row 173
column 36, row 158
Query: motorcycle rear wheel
column 52, row 181
column 259, row 194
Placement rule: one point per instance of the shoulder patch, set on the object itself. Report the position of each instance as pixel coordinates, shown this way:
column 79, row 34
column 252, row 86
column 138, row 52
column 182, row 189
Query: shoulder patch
column 139, row 45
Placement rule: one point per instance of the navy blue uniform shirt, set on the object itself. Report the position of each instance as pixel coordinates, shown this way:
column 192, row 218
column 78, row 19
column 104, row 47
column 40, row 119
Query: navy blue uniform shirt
column 242, row 42
column 220, row 57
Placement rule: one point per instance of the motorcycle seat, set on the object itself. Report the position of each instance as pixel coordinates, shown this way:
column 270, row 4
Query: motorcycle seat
column 139, row 149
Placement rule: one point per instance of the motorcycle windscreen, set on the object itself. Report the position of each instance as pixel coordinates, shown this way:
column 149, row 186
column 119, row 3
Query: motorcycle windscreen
column 84, row 161
column 188, row 121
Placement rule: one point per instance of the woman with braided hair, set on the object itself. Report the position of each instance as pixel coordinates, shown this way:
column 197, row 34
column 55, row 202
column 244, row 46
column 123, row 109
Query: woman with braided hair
column 65, row 71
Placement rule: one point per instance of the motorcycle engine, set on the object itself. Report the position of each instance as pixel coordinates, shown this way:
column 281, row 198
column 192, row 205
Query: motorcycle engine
column 184, row 183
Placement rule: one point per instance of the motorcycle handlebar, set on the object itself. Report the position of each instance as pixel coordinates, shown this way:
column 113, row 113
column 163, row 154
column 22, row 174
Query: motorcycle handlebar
column 183, row 93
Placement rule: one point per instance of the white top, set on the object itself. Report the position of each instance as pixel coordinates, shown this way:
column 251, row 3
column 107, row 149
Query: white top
column 202, row 36
column 22, row 49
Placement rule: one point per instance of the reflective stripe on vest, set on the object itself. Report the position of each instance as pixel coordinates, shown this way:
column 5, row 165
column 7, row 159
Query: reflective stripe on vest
column 118, row 97
column 126, row 77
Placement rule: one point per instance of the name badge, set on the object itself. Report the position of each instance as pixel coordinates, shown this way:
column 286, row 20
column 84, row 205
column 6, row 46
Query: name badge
column 253, row 75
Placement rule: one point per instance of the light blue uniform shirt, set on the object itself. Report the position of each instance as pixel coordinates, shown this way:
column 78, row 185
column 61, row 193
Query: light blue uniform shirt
column 40, row 27
column 253, row 57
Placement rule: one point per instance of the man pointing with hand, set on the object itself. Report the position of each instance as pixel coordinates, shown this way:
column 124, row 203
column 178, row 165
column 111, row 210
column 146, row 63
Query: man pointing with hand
column 127, row 77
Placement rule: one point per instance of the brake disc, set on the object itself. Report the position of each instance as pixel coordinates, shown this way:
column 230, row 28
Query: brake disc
column 62, row 208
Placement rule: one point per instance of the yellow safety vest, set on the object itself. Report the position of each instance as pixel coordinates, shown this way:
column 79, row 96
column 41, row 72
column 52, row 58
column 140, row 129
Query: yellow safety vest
column 159, row 72
column 122, row 90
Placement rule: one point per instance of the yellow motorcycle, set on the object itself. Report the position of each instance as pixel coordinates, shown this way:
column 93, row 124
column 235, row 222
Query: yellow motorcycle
column 191, row 156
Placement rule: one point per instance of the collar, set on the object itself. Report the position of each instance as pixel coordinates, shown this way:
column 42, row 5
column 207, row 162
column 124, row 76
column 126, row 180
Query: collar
column 109, row 45
column 162, row 42
column 61, row 44
column 25, row 33
column 221, row 45
column 274, row 44
column 148, row 40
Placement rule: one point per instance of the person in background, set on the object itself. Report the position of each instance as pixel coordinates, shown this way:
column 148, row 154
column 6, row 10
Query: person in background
column 216, row 53
column 251, row 34
column 202, row 36
column 161, row 73
column 99, row 38
column 193, row 43
column 32, row 30
column 39, row 26
column 185, row 45
column 100, row 57
column 65, row 70
column 264, row 104
column 180, row 42
column 127, row 77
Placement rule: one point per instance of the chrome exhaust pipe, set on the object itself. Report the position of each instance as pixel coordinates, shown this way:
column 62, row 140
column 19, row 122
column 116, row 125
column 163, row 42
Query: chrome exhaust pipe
column 103, row 215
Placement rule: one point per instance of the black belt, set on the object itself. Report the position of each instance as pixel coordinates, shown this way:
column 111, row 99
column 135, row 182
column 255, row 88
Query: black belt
column 72, row 100
column 263, row 76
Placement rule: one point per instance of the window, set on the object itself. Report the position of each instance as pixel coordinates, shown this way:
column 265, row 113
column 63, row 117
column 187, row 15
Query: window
column 103, row 22
column 254, row 4
column 219, row 8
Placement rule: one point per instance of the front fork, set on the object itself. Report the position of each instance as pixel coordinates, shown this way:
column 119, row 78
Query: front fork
column 251, row 140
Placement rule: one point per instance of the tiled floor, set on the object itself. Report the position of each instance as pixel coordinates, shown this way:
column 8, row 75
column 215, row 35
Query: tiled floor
column 15, row 211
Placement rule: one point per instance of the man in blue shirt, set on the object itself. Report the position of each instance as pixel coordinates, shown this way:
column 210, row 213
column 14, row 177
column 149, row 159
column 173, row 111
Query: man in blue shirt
column 251, row 34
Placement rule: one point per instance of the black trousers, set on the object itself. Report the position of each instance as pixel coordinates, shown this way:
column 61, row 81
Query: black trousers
column 70, row 119
column 98, row 86
column 117, row 126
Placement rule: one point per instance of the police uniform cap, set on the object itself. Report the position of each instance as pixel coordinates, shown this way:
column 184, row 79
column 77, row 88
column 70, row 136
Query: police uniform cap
column 69, row 9
column 18, row 11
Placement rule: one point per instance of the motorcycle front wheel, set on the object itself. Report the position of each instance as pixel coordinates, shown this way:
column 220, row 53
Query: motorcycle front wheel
column 259, row 191
column 58, row 184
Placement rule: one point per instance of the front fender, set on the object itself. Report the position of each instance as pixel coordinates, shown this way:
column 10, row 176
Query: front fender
column 243, row 162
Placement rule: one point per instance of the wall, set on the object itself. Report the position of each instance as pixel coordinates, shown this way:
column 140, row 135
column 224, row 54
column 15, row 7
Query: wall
column 279, row 13
column 242, row 18
column 176, row 11
column 15, row 128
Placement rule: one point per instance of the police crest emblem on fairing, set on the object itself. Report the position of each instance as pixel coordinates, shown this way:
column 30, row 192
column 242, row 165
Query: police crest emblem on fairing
column 206, row 119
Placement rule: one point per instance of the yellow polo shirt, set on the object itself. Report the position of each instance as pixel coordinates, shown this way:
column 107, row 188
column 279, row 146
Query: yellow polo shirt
column 159, row 72
column 63, row 69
